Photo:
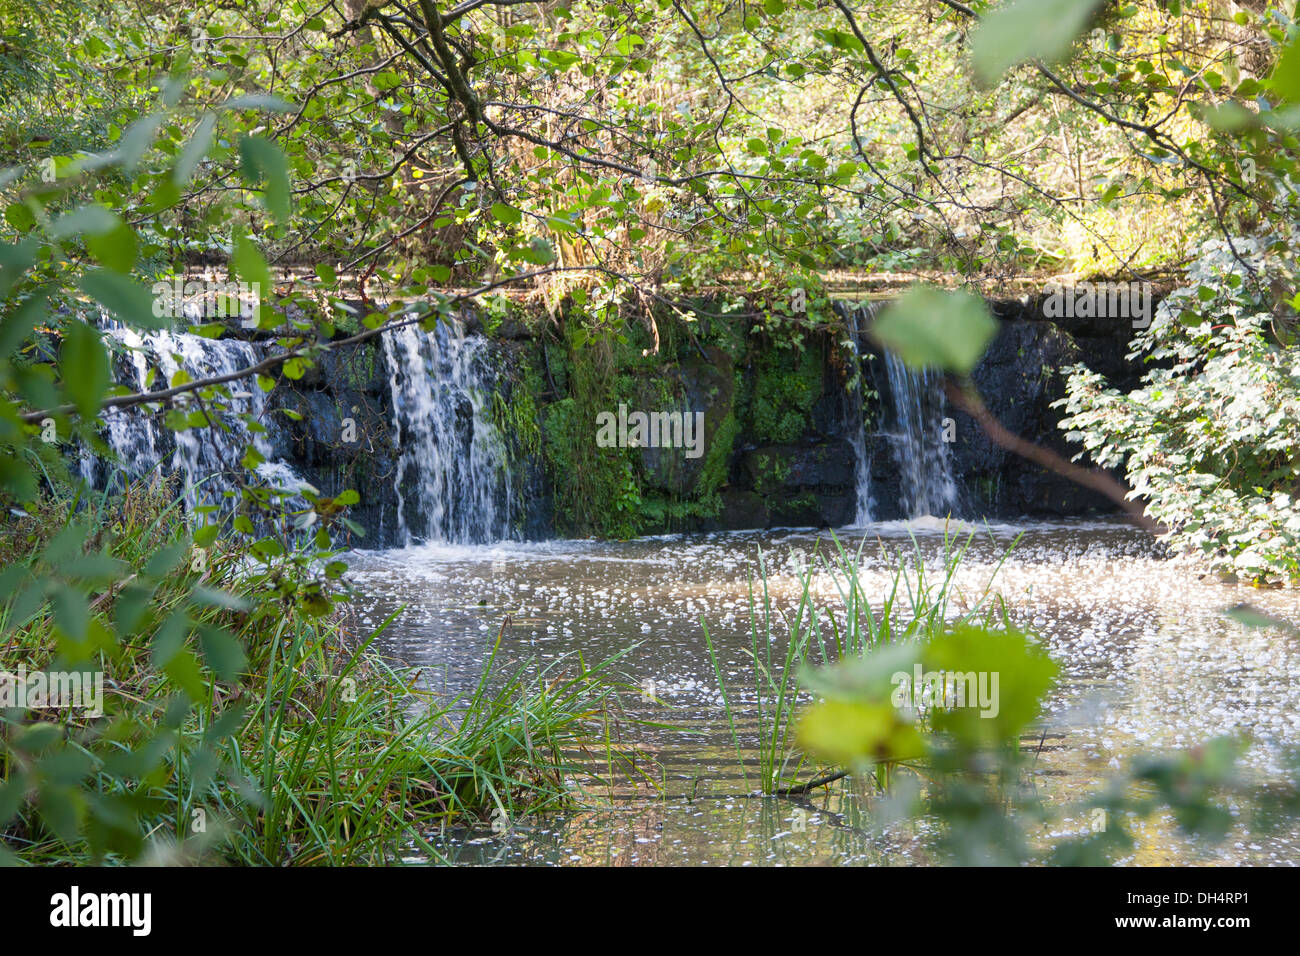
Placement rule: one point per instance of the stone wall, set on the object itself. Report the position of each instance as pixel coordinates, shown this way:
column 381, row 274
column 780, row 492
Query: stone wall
column 757, row 472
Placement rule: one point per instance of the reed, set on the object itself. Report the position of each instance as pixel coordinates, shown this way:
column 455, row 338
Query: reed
column 916, row 602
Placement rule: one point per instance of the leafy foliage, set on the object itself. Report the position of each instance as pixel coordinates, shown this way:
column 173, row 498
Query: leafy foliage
column 1209, row 439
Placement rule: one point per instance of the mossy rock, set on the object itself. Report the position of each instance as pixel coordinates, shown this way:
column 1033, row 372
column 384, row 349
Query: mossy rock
column 696, row 385
column 742, row 510
column 777, row 467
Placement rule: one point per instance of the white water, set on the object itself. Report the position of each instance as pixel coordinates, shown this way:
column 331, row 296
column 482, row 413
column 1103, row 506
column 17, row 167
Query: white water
column 452, row 481
column 915, row 433
column 858, row 431
column 207, row 458
column 913, row 427
column 129, row 433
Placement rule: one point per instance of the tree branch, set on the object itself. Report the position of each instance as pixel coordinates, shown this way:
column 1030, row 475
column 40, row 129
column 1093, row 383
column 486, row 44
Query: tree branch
column 969, row 401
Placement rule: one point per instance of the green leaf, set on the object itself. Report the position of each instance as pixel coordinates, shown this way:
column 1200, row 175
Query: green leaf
column 204, row 536
column 259, row 101
column 1024, row 30
column 20, row 216
column 247, row 263
column 124, row 297
column 929, row 327
column 849, row 731
column 223, row 653
column 62, row 809
column 1286, row 75
column 14, row 261
column 507, row 214
column 195, row 150
column 83, row 365
column 136, row 140
column 116, row 248
column 92, row 219
column 1011, row 676
column 263, row 162
column 183, row 669
column 16, row 325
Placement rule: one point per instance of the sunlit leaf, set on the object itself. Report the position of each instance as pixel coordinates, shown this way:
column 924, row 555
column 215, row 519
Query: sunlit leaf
column 1024, row 30
column 929, row 327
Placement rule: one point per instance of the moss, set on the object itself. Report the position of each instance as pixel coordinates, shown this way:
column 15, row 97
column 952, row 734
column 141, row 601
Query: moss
column 718, row 458
column 595, row 489
column 516, row 420
column 783, row 396
column 667, row 513
column 769, row 471
column 360, row 366
column 774, row 385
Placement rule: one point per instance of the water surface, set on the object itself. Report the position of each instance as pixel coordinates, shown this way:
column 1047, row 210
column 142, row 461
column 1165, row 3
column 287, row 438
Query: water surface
column 1148, row 663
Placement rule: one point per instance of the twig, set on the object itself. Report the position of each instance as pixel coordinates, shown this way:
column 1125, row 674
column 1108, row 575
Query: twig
column 800, row 788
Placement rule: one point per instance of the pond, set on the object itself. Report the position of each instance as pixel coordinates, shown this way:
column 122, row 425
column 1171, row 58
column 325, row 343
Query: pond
column 1149, row 662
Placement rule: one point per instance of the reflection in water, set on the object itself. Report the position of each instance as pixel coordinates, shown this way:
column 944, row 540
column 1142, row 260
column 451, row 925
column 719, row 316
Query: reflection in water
column 1148, row 661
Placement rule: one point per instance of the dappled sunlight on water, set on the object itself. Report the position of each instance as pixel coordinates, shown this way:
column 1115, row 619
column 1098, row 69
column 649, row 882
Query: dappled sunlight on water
column 1148, row 662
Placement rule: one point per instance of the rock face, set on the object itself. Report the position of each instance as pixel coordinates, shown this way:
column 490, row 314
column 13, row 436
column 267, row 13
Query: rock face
column 1019, row 380
column 701, row 385
column 781, row 433
column 337, row 434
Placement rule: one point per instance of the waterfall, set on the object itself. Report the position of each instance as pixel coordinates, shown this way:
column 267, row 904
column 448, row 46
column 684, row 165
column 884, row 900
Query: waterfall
column 857, row 427
column 915, row 434
column 131, row 434
column 911, row 424
column 452, row 482
column 209, row 459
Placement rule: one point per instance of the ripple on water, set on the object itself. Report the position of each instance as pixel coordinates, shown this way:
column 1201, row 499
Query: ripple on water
column 1148, row 661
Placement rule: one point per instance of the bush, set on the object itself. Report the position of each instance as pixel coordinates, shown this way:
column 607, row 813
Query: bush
column 1210, row 438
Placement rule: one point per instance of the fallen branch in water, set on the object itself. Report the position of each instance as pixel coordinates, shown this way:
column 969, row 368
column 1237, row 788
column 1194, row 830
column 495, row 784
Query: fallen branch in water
column 811, row 784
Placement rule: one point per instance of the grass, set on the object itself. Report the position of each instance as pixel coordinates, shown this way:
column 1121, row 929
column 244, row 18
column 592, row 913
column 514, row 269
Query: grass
column 319, row 752
column 916, row 603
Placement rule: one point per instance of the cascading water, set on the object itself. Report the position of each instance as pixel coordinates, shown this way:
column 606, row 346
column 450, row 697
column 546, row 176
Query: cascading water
column 452, row 482
column 131, row 434
column 915, row 434
column 208, row 458
column 912, row 425
column 857, row 427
